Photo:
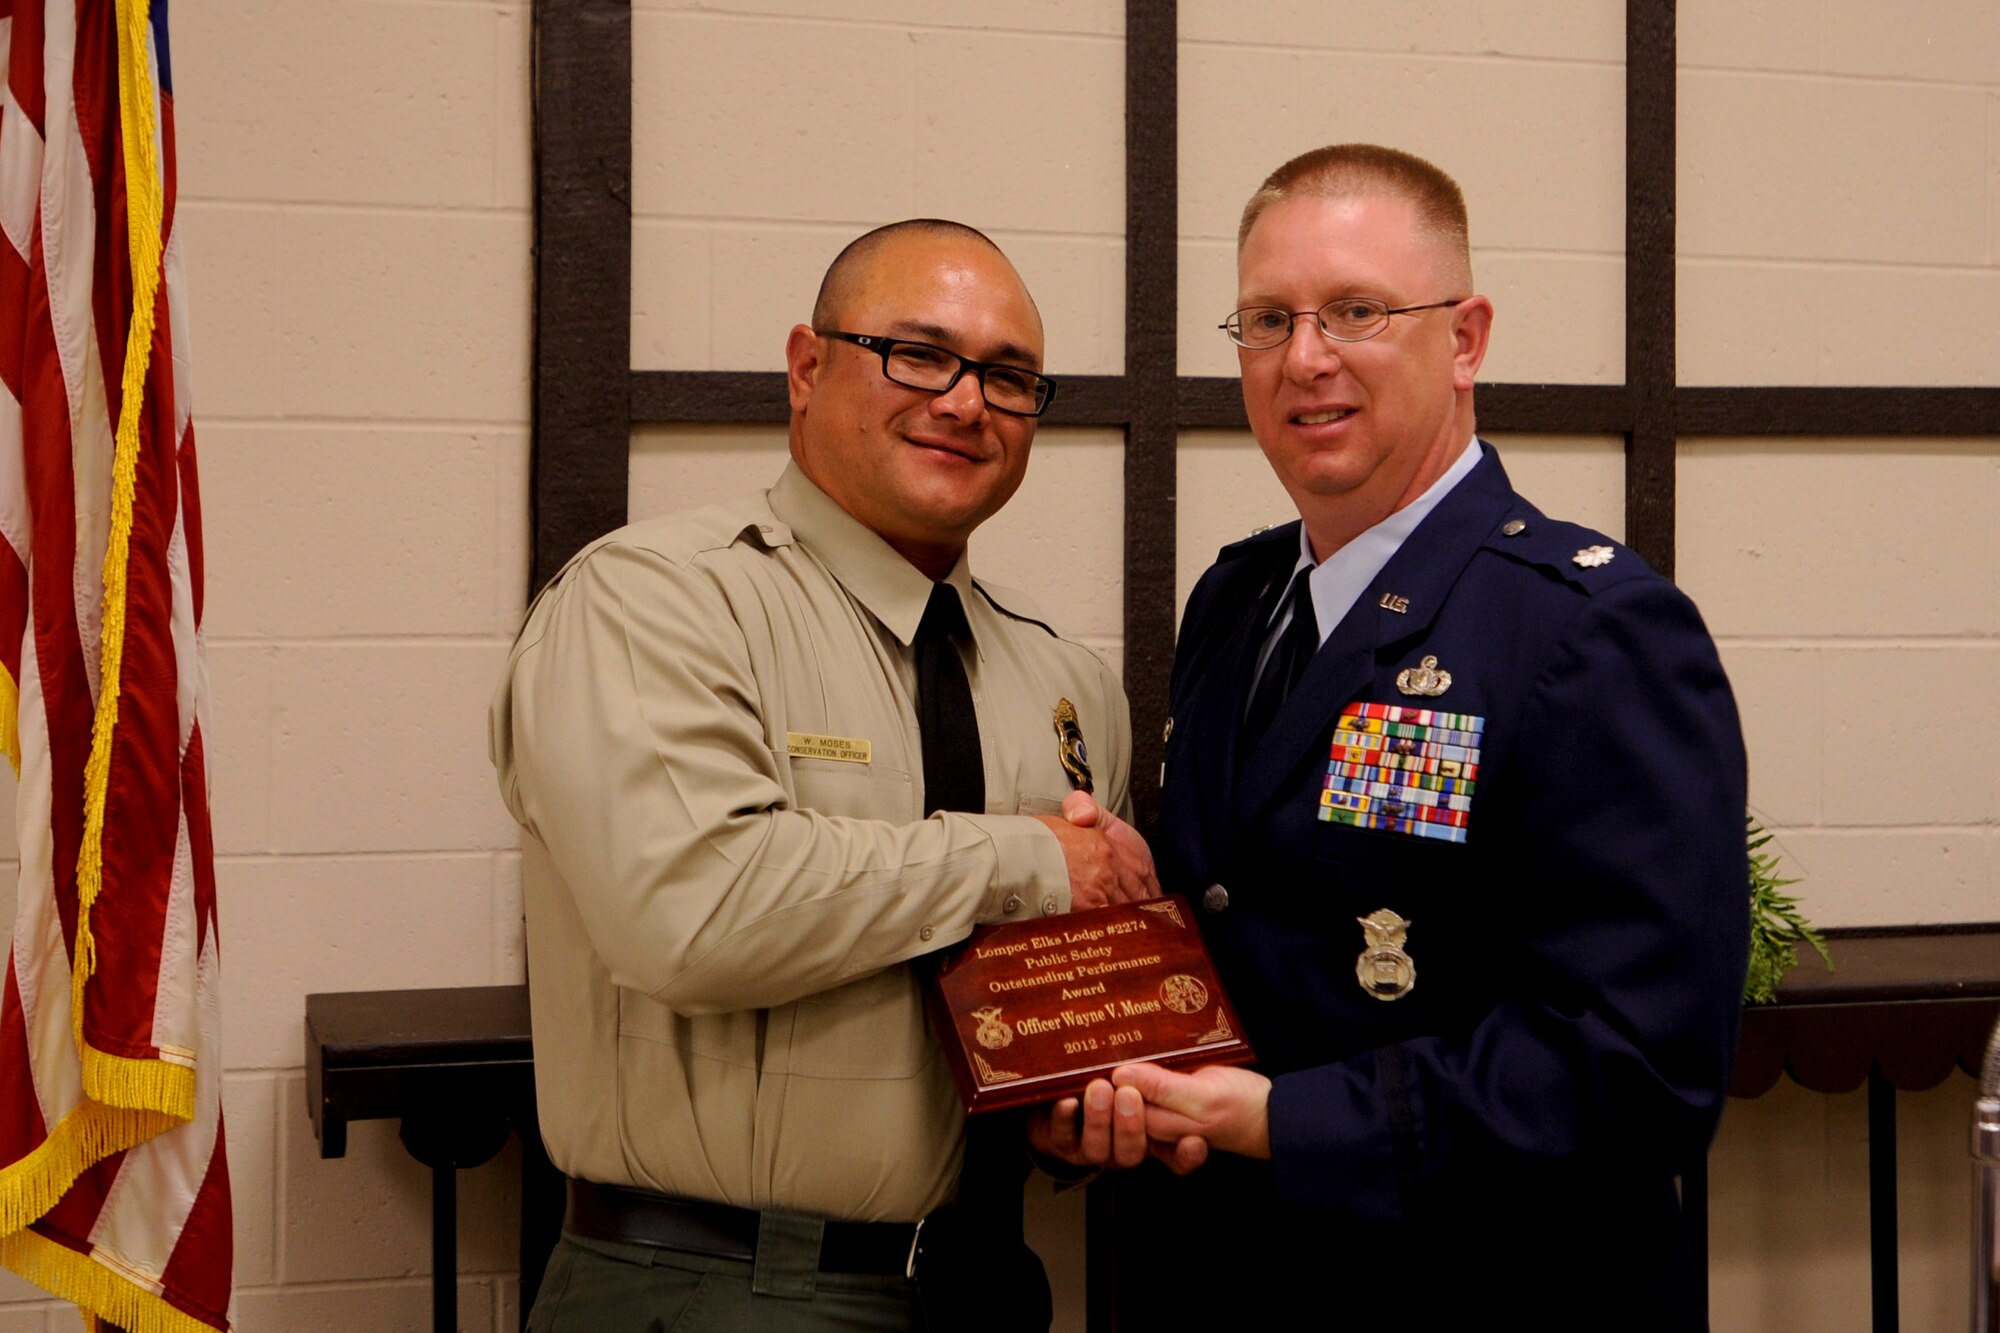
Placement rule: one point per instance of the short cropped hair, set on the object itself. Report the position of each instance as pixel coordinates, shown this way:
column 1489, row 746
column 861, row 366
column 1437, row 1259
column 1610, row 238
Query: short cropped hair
column 1348, row 170
column 847, row 265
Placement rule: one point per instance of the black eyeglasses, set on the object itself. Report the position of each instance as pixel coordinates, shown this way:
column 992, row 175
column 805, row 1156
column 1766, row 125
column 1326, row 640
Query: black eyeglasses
column 1347, row 319
column 915, row 365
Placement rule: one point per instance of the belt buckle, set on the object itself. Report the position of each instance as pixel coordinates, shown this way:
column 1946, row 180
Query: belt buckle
column 910, row 1264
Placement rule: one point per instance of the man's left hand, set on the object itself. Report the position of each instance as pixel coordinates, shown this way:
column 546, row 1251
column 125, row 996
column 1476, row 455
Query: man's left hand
column 1221, row 1104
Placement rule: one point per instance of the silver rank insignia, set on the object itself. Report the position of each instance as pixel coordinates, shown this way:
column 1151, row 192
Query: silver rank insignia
column 1590, row 557
column 1069, row 746
column 1384, row 969
column 1424, row 679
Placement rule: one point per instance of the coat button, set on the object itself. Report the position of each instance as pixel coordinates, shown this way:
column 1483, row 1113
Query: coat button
column 1215, row 898
column 1513, row 527
column 1049, row 905
column 1012, row 905
column 926, row 933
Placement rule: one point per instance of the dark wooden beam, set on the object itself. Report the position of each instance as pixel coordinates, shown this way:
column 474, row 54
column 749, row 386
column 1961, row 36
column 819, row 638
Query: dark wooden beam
column 583, row 274
column 1152, row 435
column 759, row 395
column 709, row 396
column 1830, row 410
column 1649, row 279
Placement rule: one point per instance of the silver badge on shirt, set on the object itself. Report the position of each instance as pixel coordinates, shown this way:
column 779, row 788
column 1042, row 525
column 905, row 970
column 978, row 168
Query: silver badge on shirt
column 1385, row 970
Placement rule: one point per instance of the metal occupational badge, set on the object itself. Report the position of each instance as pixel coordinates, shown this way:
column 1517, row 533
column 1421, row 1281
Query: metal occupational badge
column 1069, row 746
column 1424, row 679
column 1384, row 969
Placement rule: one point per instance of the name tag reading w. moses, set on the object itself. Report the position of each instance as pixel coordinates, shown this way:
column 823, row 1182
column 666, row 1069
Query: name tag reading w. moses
column 1031, row 1012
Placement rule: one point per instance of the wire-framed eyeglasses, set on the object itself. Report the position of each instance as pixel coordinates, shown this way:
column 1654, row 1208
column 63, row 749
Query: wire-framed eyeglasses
column 1347, row 319
column 920, row 365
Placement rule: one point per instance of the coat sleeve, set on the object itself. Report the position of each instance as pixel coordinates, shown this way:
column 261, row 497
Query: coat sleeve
column 629, row 741
column 1623, row 829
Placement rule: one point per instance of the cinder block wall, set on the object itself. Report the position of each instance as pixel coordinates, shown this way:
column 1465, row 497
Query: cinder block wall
column 356, row 206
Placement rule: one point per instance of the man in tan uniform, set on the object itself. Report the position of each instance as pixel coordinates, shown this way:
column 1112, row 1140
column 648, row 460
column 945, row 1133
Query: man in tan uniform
column 709, row 729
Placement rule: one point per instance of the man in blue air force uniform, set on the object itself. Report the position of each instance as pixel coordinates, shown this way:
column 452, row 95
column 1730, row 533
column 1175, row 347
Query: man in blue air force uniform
column 1459, row 789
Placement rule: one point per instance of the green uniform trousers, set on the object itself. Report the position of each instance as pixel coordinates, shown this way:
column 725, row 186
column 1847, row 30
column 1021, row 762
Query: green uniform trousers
column 595, row 1286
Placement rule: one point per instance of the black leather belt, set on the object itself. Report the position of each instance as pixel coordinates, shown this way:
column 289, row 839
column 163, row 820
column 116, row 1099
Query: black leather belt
column 639, row 1217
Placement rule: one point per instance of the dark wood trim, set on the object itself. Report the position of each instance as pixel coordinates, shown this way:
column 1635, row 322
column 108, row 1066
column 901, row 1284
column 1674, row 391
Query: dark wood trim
column 582, row 55
column 1152, row 435
column 713, row 396
column 1839, row 411
column 1555, row 409
column 709, row 396
column 1649, row 279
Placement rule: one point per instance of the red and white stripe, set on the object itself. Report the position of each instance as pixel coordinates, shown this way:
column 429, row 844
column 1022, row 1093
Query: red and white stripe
column 105, row 1197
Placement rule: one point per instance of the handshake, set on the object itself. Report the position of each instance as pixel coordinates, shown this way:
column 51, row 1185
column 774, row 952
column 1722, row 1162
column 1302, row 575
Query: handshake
column 1142, row 1110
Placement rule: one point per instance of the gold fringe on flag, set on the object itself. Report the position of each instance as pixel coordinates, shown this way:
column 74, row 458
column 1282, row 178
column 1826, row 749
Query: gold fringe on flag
column 10, row 719
column 83, row 1280
column 87, row 1135
column 113, row 1079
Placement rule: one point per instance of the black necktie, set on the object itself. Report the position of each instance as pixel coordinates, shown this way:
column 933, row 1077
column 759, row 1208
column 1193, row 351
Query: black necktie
column 1287, row 662
column 995, row 1168
column 954, row 773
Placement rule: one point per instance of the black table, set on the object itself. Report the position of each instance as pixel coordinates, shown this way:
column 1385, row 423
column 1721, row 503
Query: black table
column 1904, row 1007
column 456, row 1066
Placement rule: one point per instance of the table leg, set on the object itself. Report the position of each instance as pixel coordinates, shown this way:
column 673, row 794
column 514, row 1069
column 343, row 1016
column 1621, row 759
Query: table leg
column 444, row 1248
column 1882, row 1202
column 444, row 1143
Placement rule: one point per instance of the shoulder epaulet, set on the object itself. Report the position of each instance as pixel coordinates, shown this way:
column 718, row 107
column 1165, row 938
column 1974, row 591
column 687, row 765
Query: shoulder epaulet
column 1582, row 557
column 1014, row 604
column 681, row 537
column 1258, row 539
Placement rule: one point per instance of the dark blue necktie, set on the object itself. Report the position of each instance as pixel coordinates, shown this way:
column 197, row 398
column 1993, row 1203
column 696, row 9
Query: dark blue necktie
column 1287, row 663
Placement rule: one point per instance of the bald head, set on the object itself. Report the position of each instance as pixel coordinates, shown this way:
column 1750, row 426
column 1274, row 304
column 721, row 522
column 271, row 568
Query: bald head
column 1355, row 170
column 849, row 269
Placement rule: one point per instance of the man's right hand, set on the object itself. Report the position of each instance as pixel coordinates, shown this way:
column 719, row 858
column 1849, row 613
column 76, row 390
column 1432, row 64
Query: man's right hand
column 1108, row 861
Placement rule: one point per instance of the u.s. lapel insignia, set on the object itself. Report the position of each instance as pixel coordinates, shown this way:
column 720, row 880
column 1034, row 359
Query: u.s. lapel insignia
column 1384, row 969
column 1395, row 601
column 1424, row 679
column 1069, row 746
column 1590, row 557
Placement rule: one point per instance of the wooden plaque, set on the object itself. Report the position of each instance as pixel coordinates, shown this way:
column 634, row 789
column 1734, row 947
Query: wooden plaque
column 1032, row 1012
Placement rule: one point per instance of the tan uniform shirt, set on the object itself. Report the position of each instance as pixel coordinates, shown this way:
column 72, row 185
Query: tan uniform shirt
column 708, row 730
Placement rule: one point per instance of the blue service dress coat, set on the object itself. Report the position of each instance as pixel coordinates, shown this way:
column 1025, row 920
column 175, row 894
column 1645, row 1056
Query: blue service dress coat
column 1492, row 1121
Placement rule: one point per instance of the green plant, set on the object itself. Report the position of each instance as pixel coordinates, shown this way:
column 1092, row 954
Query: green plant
column 1777, row 926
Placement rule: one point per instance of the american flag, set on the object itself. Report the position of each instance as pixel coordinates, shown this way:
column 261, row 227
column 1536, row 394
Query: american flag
column 114, row 1186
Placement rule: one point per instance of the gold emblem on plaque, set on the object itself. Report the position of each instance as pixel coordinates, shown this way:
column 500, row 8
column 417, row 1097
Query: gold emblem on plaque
column 1069, row 746
column 992, row 1033
column 1590, row 557
column 1183, row 994
column 1424, row 679
column 1384, row 969
column 1171, row 911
